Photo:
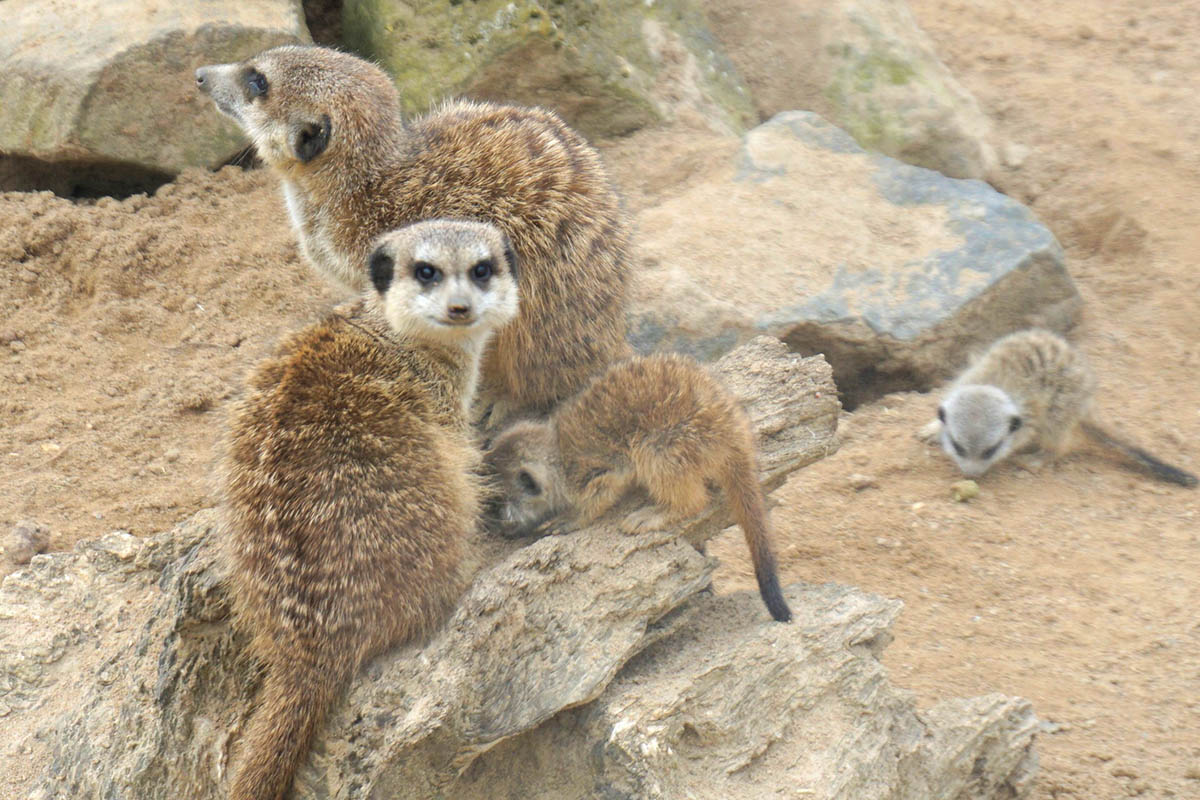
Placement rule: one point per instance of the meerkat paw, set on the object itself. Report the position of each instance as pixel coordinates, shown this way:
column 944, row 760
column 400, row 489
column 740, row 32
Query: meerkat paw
column 646, row 519
column 931, row 432
column 1031, row 462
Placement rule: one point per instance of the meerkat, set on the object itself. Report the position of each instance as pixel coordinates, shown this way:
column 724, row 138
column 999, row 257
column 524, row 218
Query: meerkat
column 1030, row 391
column 351, row 166
column 351, row 483
column 662, row 423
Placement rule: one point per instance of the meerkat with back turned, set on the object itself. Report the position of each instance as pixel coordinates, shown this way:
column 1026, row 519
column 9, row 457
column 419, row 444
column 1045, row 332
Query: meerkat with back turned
column 662, row 423
column 351, row 483
column 1030, row 391
column 330, row 125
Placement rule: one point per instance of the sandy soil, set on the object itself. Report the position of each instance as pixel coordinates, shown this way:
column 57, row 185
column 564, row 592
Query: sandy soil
column 129, row 323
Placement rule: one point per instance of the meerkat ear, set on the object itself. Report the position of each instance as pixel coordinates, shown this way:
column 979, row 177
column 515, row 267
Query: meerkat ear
column 1014, row 424
column 510, row 256
column 311, row 139
column 942, row 414
column 383, row 269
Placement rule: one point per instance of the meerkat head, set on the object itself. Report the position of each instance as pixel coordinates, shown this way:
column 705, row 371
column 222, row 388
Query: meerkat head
column 979, row 427
column 303, row 105
column 453, row 281
column 530, row 480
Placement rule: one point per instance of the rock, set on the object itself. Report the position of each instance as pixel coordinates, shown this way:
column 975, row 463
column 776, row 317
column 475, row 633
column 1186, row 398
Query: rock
column 860, row 482
column 727, row 705
column 893, row 272
column 608, row 68
column 105, row 88
column 24, row 541
column 867, row 66
column 965, row 490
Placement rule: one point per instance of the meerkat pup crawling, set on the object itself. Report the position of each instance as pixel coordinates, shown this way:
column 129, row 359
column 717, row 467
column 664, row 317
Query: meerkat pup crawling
column 350, row 480
column 661, row 423
column 1029, row 392
column 330, row 126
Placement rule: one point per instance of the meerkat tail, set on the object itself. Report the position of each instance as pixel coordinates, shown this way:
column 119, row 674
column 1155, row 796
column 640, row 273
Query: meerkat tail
column 750, row 511
column 292, row 704
column 1160, row 469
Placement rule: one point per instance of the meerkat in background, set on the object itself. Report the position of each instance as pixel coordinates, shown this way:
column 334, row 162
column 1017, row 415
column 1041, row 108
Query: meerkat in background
column 330, row 125
column 1030, row 391
column 350, row 480
column 662, row 423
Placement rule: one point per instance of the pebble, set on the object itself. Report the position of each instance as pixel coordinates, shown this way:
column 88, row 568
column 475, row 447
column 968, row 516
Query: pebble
column 17, row 346
column 962, row 491
column 172, row 456
column 858, row 482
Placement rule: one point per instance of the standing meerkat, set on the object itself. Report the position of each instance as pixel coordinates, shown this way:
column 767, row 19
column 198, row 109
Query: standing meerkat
column 661, row 422
column 1030, row 391
column 350, row 480
column 330, row 125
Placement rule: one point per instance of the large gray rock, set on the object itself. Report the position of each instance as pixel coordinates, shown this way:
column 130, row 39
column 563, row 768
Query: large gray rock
column 609, row 68
column 866, row 65
column 893, row 272
column 102, row 85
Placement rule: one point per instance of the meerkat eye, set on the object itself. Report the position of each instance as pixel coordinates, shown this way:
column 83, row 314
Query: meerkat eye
column 256, row 83
column 426, row 272
column 1014, row 424
column 528, row 484
column 483, row 270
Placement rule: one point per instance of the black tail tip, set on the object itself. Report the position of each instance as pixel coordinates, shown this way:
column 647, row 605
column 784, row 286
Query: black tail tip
column 773, row 598
column 1174, row 475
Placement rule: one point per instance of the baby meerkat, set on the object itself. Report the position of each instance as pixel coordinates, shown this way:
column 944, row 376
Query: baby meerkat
column 350, row 480
column 330, row 126
column 662, row 423
column 1030, row 391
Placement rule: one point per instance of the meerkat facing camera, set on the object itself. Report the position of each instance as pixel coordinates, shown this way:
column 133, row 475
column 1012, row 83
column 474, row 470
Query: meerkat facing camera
column 350, row 480
column 1030, row 391
column 660, row 422
column 330, row 126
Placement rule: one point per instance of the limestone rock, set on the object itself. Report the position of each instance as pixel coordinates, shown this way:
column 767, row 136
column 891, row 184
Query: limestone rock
column 893, row 272
column 608, row 68
column 26, row 539
column 106, row 86
column 867, row 66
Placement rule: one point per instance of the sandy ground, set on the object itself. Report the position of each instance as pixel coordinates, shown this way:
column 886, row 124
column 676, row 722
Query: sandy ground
column 128, row 324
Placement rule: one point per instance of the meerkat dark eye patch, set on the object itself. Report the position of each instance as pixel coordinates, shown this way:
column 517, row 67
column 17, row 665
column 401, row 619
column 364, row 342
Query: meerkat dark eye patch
column 942, row 415
column 528, row 484
column 510, row 256
column 482, row 271
column 958, row 448
column 425, row 272
column 311, row 139
column 1014, row 424
column 256, row 84
column 991, row 451
column 383, row 269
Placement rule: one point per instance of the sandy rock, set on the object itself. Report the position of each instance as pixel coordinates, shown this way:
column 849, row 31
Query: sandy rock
column 24, row 541
column 867, row 66
column 609, row 68
column 893, row 272
column 106, row 87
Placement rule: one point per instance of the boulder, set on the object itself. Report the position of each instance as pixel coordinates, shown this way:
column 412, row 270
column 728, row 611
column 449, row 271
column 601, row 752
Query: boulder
column 894, row 272
column 104, row 89
column 867, row 66
column 608, row 68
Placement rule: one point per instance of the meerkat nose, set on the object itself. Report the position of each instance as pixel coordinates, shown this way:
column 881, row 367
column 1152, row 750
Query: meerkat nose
column 459, row 310
column 202, row 79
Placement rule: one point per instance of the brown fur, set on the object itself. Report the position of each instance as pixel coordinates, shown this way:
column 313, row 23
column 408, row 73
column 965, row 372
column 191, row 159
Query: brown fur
column 661, row 423
column 521, row 168
column 1030, row 392
column 351, row 491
